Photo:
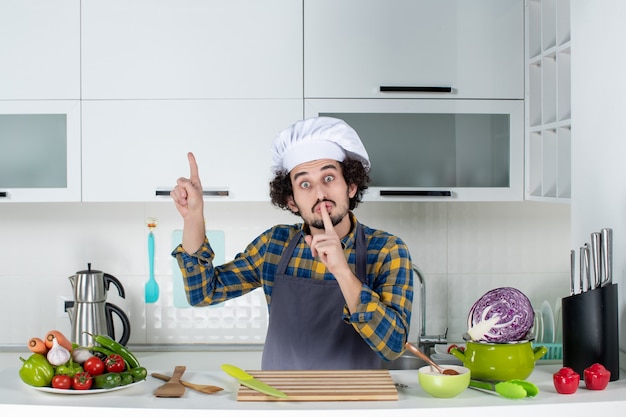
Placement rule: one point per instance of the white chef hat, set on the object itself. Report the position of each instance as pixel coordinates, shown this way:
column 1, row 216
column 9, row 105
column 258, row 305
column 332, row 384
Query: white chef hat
column 317, row 138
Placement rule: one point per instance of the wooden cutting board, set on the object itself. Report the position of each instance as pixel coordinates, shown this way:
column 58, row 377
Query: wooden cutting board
column 357, row 385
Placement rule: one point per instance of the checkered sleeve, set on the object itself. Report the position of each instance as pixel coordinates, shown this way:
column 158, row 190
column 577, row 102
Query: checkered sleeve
column 207, row 284
column 383, row 314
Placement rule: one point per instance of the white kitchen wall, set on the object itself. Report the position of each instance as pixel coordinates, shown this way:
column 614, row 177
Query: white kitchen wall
column 598, row 142
column 464, row 250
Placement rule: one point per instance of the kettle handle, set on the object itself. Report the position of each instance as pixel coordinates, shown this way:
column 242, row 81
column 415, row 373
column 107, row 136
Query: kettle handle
column 110, row 309
column 108, row 279
column 539, row 351
column 458, row 353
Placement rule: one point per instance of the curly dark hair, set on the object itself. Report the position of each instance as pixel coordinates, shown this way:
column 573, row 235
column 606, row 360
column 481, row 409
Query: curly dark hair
column 353, row 172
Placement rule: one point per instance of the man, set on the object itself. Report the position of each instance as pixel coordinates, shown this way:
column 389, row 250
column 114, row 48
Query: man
column 339, row 293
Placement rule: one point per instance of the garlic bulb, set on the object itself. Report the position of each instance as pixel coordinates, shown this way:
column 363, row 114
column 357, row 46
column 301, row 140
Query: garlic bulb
column 57, row 355
column 80, row 355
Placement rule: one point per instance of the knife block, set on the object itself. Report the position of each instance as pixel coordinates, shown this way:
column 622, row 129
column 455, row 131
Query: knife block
column 591, row 330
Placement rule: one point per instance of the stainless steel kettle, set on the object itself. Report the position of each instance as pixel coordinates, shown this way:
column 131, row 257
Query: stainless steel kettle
column 89, row 312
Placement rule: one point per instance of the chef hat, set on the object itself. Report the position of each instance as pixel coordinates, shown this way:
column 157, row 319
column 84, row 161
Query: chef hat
column 317, row 138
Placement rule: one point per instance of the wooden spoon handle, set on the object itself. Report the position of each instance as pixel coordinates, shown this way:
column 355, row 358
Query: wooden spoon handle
column 422, row 355
column 178, row 372
column 414, row 350
column 207, row 389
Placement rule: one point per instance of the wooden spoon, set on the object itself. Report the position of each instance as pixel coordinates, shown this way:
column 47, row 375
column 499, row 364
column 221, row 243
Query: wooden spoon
column 173, row 388
column 207, row 389
column 419, row 353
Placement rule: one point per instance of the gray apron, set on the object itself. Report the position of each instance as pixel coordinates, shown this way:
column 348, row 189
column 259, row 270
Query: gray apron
column 306, row 329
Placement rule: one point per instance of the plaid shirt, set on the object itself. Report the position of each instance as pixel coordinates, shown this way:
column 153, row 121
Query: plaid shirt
column 384, row 311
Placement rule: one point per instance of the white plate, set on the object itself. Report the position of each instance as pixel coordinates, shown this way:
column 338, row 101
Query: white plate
column 445, row 359
column 558, row 325
column 548, row 322
column 85, row 391
column 538, row 327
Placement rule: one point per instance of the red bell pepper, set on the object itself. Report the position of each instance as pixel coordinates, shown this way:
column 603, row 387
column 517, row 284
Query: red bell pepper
column 566, row 381
column 596, row 377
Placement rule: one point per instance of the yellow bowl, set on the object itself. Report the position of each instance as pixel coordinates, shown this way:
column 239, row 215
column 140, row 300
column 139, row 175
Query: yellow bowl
column 443, row 386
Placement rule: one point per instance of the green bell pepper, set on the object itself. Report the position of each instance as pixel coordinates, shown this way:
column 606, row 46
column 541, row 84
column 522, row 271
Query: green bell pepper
column 70, row 369
column 36, row 370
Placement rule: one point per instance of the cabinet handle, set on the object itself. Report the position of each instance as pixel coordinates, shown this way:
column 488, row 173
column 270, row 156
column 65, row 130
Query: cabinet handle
column 3, row 194
column 206, row 193
column 416, row 89
column 415, row 193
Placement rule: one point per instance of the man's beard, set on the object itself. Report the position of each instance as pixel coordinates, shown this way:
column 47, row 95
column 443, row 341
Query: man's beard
column 319, row 223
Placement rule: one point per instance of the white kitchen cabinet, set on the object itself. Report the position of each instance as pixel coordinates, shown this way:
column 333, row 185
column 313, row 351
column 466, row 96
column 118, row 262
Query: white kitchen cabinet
column 134, row 148
column 437, row 150
column 191, row 49
column 548, row 101
column 352, row 48
column 40, row 151
column 39, row 49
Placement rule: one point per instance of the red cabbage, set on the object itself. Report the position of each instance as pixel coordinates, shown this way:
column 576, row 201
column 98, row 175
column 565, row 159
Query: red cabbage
column 501, row 315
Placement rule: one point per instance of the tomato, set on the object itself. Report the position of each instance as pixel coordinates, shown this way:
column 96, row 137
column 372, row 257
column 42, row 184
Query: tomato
column 596, row 377
column 62, row 382
column 82, row 381
column 566, row 381
column 114, row 363
column 94, row 366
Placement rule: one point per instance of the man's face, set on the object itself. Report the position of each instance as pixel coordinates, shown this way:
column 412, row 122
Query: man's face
column 319, row 185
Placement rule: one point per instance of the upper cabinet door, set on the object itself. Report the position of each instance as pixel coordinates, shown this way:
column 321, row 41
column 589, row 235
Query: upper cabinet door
column 354, row 47
column 171, row 49
column 135, row 150
column 39, row 49
column 40, row 151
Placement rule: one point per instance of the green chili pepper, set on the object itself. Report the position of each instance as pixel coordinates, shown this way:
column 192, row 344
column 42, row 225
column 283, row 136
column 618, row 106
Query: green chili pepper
column 108, row 343
column 100, row 349
column 107, row 381
column 36, row 371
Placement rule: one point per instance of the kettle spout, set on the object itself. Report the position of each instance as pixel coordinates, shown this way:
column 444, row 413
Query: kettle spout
column 72, row 281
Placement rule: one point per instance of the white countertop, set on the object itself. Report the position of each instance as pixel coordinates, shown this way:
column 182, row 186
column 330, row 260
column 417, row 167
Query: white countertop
column 203, row 368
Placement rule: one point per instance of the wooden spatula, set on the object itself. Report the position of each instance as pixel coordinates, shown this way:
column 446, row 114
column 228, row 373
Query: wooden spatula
column 173, row 388
column 207, row 389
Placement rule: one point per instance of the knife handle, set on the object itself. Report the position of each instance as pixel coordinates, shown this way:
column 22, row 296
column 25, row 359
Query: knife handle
column 581, row 269
column 607, row 255
column 596, row 256
column 572, row 281
column 588, row 267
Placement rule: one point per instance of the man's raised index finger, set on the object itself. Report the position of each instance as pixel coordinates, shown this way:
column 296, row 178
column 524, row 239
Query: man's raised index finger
column 328, row 223
column 193, row 166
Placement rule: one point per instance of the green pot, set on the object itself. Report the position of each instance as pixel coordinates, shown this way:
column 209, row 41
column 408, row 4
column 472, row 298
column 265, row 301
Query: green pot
column 499, row 361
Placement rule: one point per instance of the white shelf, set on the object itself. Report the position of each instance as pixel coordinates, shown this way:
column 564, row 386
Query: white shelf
column 548, row 101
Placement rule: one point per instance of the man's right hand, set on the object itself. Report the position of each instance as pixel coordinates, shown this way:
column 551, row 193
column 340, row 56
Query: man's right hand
column 187, row 194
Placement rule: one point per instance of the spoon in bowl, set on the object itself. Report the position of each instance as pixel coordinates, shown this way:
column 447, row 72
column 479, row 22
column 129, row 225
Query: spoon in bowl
column 414, row 350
